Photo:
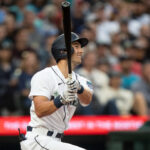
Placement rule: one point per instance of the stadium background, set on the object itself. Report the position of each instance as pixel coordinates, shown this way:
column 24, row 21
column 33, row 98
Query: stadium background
column 117, row 61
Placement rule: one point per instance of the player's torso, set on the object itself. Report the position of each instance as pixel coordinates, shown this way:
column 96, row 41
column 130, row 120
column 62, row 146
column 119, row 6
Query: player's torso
column 60, row 118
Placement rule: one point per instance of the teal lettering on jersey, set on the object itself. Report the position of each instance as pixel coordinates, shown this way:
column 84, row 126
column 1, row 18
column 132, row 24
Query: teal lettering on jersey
column 89, row 84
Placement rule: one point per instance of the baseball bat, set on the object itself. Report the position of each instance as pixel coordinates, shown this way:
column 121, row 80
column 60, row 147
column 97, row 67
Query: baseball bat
column 67, row 32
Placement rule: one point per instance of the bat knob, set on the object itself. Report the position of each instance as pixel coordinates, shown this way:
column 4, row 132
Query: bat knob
column 65, row 4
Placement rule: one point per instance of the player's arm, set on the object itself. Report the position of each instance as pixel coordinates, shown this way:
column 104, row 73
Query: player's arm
column 85, row 97
column 43, row 106
column 85, row 90
column 41, row 95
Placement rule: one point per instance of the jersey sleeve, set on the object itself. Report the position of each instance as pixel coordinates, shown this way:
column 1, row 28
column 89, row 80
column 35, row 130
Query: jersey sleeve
column 87, row 84
column 40, row 85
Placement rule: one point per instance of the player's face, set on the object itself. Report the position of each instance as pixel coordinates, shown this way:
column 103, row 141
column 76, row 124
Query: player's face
column 77, row 55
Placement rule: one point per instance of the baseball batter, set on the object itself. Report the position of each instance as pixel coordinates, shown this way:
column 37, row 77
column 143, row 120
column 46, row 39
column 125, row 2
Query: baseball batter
column 55, row 97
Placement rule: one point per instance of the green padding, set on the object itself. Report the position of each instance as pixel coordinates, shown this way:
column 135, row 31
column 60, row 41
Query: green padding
column 145, row 127
column 137, row 140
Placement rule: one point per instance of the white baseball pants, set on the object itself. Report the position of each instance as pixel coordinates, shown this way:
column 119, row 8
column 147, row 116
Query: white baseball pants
column 40, row 142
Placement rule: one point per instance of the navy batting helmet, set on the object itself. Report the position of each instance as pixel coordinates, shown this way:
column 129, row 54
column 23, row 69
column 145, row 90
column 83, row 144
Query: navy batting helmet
column 59, row 49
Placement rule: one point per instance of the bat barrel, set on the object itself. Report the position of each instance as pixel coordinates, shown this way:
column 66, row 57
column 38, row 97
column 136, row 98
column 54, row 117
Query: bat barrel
column 67, row 31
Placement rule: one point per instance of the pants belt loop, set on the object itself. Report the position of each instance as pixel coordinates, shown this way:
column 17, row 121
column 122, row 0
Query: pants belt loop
column 49, row 133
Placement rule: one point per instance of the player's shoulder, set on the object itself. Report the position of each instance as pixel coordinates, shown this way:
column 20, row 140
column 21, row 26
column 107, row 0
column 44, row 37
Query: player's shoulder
column 42, row 73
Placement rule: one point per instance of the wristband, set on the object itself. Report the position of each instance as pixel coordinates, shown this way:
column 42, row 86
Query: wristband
column 57, row 101
column 81, row 90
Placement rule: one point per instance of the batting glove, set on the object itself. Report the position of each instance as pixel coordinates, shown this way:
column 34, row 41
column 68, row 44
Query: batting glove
column 65, row 98
column 68, row 96
column 74, row 86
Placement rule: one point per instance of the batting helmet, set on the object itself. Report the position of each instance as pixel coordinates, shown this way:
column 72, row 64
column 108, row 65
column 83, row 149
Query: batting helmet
column 59, row 49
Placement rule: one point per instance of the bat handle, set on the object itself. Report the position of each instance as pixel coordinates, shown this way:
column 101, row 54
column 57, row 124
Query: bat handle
column 70, row 75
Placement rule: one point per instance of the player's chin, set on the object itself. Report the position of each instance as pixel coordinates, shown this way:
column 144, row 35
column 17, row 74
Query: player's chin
column 77, row 62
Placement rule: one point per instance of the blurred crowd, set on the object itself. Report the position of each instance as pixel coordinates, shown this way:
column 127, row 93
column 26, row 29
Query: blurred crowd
column 116, row 60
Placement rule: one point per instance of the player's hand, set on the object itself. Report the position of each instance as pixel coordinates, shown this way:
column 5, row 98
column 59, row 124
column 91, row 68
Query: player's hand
column 65, row 98
column 72, row 85
column 68, row 97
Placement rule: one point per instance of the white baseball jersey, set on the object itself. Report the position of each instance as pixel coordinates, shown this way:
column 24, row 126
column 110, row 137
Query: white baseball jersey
column 50, row 82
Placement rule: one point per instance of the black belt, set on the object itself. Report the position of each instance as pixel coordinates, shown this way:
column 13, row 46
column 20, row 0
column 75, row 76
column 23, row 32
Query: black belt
column 49, row 133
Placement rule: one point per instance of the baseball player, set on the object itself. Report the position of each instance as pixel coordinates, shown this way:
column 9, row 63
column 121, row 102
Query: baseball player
column 55, row 98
